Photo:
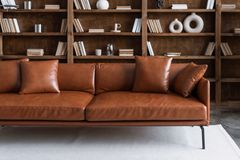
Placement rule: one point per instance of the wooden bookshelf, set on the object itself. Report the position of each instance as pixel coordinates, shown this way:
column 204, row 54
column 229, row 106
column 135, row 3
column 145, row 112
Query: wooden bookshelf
column 224, row 80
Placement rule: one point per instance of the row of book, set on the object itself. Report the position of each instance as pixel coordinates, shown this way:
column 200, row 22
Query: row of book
column 137, row 26
column 210, row 48
column 61, row 49
column 126, row 52
column 9, row 4
column 82, row 4
column 226, row 49
column 150, row 49
column 78, row 26
column 237, row 30
column 79, row 48
column 9, row 25
column 154, row 26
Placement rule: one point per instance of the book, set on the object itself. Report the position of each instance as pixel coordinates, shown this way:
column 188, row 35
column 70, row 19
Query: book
column 139, row 25
column 226, row 49
column 229, row 6
column 150, row 49
column 35, row 52
column 78, row 26
column 210, row 4
column 210, row 49
column 9, row 4
column 154, row 26
column 9, row 25
column 77, row 4
column 95, row 30
column 179, row 6
column 52, row 6
column 135, row 25
column 63, row 26
column 16, row 25
column 61, row 49
column 123, row 8
column 172, row 54
column 76, row 48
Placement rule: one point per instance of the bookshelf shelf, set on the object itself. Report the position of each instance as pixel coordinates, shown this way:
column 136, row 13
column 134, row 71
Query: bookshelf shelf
column 193, row 57
column 237, row 57
column 105, row 57
column 229, row 34
column 231, row 80
column 231, row 11
column 108, row 34
column 180, row 34
column 34, row 34
column 46, row 57
column 34, row 11
column 180, row 11
column 108, row 11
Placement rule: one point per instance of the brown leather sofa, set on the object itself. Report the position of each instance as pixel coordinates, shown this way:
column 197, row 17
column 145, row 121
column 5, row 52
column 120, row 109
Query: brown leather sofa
column 100, row 95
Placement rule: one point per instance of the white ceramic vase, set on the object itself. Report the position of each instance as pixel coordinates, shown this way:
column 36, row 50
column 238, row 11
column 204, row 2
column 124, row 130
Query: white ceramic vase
column 102, row 4
column 193, row 18
column 176, row 26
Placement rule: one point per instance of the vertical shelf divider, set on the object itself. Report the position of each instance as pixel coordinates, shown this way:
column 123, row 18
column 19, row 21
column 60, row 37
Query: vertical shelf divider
column 144, row 27
column 218, row 87
column 70, row 38
column 1, row 37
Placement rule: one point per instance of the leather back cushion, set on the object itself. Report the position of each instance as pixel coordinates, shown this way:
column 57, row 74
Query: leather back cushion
column 120, row 76
column 77, row 77
column 10, row 79
column 114, row 77
column 39, row 77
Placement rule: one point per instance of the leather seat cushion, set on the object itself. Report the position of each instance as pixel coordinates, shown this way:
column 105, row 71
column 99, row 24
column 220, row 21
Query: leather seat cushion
column 66, row 106
column 130, row 106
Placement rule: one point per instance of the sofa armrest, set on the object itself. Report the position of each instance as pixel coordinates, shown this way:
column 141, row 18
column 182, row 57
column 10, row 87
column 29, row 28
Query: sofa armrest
column 203, row 94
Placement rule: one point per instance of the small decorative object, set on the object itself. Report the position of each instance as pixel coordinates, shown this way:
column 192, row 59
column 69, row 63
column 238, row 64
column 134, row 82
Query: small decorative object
column 176, row 26
column 35, row 52
column 117, row 27
column 193, row 18
column 160, row 3
column 38, row 28
column 98, row 52
column 110, row 50
column 102, row 4
column 27, row 5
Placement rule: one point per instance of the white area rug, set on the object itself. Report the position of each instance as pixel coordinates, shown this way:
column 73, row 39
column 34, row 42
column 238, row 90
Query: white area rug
column 130, row 143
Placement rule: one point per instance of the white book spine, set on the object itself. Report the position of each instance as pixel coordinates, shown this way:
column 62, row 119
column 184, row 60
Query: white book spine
column 84, row 50
column 134, row 25
column 139, row 25
column 16, row 25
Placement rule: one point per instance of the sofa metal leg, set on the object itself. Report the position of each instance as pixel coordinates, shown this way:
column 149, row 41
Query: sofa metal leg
column 203, row 137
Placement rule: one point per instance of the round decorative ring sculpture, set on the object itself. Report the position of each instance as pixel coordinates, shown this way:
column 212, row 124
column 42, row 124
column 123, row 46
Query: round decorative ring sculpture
column 176, row 26
column 193, row 18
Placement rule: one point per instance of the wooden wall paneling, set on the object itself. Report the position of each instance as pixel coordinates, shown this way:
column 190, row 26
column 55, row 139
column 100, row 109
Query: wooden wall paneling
column 144, row 27
column 218, row 88
column 70, row 36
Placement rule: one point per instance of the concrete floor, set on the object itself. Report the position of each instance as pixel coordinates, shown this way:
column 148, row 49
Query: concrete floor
column 230, row 120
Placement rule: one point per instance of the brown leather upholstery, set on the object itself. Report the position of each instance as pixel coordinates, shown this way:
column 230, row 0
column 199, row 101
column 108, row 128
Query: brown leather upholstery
column 130, row 106
column 39, row 77
column 10, row 78
column 77, row 77
column 175, row 69
column 152, row 74
column 114, row 77
column 66, row 106
column 186, row 81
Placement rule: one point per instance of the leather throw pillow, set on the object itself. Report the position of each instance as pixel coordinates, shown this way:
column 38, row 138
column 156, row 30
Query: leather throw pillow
column 39, row 77
column 10, row 76
column 152, row 74
column 187, row 79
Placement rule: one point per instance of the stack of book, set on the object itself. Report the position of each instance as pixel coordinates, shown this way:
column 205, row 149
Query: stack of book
column 210, row 48
column 82, row 4
column 78, row 26
column 95, row 30
column 226, row 49
column 210, row 4
column 150, row 49
column 154, row 25
column 35, row 52
column 126, row 52
column 237, row 30
column 172, row 54
column 79, row 48
column 9, row 25
column 61, row 49
column 52, row 6
column 63, row 26
column 137, row 26
column 9, row 4
column 123, row 8
column 179, row 6
column 229, row 6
